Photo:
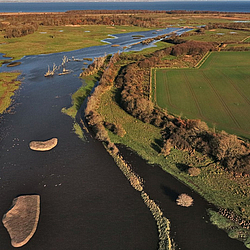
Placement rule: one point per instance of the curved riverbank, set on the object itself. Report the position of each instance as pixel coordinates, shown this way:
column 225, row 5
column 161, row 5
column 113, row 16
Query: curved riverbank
column 146, row 140
column 86, row 202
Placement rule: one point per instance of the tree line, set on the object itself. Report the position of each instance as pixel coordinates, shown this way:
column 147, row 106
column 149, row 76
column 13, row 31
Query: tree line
column 22, row 24
column 18, row 30
column 185, row 134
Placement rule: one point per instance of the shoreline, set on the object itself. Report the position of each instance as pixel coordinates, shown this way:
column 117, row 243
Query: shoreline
column 72, row 181
column 27, row 13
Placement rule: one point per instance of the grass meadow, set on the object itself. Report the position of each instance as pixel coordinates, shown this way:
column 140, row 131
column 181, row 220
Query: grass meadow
column 220, row 36
column 218, row 92
column 158, row 46
column 52, row 39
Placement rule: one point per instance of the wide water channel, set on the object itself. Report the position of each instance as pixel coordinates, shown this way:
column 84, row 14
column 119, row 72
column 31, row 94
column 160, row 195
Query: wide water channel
column 86, row 202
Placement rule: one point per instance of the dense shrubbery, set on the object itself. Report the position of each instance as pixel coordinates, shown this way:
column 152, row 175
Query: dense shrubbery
column 18, row 30
column 191, row 135
column 184, row 134
column 23, row 24
column 192, row 47
column 93, row 118
column 94, row 67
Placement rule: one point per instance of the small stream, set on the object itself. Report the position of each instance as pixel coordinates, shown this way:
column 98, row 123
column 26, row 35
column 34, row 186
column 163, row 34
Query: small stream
column 86, row 202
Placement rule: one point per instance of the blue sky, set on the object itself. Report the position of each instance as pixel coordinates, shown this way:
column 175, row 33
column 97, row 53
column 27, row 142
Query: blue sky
column 20, row 1
column 116, row 0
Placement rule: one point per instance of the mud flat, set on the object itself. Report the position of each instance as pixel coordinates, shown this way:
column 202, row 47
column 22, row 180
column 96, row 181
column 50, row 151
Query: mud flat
column 22, row 219
column 43, row 145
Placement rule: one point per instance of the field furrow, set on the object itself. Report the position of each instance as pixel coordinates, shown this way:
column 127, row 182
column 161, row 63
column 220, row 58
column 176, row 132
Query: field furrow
column 218, row 92
column 221, row 100
column 193, row 94
column 212, row 109
column 166, row 83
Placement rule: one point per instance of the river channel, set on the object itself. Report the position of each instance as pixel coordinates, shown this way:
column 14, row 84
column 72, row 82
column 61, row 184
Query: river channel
column 86, row 202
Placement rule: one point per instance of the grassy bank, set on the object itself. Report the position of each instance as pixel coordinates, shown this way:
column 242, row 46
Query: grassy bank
column 158, row 46
column 79, row 96
column 221, row 36
column 8, row 86
column 217, row 186
column 49, row 39
column 77, row 99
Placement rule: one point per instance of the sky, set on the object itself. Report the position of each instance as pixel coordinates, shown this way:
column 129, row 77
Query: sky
column 114, row 0
column 20, row 1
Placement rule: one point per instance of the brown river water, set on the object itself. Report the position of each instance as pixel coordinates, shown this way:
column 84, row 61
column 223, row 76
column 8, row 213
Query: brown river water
column 86, row 202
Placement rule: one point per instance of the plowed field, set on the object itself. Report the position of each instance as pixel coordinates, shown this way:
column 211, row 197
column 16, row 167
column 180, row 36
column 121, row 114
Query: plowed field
column 218, row 92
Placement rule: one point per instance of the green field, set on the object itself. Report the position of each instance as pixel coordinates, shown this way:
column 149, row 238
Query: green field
column 218, row 92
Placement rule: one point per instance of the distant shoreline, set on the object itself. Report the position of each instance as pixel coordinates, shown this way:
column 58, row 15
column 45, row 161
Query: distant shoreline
column 27, row 13
column 220, row 6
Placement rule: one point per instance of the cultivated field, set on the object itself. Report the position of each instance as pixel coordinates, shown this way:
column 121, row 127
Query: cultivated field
column 218, row 92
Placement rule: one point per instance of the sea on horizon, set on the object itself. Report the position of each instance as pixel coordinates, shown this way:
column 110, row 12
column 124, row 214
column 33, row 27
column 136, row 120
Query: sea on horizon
column 222, row 6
